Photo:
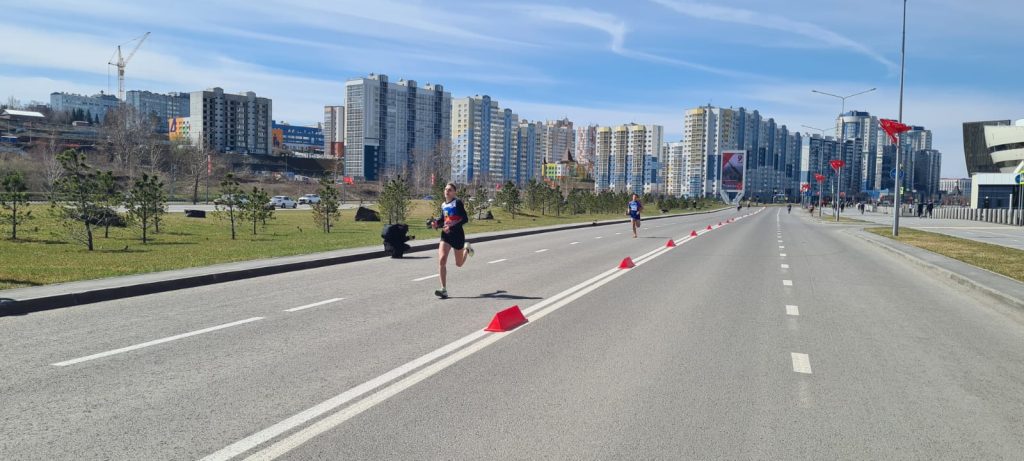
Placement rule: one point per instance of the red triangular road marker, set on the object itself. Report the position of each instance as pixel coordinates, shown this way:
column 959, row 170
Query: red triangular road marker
column 506, row 320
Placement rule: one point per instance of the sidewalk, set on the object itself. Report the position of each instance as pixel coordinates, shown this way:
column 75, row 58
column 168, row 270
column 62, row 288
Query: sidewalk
column 21, row 301
column 996, row 234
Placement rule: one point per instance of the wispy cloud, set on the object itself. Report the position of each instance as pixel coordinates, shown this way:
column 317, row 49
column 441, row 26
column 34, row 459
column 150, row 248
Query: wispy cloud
column 774, row 22
column 616, row 30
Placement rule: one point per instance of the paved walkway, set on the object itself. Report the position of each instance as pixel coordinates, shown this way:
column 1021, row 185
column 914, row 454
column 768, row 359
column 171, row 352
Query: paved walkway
column 996, row 234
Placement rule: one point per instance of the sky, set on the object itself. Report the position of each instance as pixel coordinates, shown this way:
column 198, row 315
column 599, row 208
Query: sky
column 606, row 62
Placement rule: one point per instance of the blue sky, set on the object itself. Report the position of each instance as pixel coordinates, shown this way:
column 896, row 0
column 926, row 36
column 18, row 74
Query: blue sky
column 604, row 62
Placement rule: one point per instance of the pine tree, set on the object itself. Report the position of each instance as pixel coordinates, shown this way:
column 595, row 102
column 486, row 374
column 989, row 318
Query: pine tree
column 14, row 201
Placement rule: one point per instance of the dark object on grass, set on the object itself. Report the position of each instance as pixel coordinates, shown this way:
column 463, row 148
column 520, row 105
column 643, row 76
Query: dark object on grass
column 366, row 214
column 195, row 214
column 102, row 216
column 394, row 236
column 485, row 214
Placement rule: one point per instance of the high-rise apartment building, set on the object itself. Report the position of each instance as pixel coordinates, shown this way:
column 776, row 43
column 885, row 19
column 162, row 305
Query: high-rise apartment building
column 334, row 131
column 676, row 164
column 586, row 143
column 236, row 123
column 772, row 152
column 927, row 167
column 483, row 141
column 96, row 106
column 864, row 165
column 561, row 140
column 161, row 107
column 388, row 126
column 815, row 153
column 622, row 153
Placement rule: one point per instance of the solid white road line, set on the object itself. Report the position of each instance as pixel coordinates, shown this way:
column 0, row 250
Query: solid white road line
column 307, row 306
column 785, row 266
column 426, row 278
column 787, row 283
column 541, row 250
column 801, row 363
column 497, row 261
column 153, row 343
column 792, row 310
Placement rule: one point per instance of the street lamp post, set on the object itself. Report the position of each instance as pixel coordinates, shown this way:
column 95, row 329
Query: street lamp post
column 821, row 192
column 840, row 135
column 899, row 139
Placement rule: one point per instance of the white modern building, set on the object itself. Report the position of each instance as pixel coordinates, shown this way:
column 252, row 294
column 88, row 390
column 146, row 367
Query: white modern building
column 388, row 125
column 484, row 143
column 955, row 186
column 334, row 131
column 235, row 123
column 1006, row 145
column 676, row 164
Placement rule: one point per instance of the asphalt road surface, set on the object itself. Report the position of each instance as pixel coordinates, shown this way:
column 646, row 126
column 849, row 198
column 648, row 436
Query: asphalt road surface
column 770, row 337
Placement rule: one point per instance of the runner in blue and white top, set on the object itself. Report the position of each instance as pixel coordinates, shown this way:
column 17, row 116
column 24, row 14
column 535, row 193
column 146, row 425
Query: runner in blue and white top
column 453, row 217
column 635, row 207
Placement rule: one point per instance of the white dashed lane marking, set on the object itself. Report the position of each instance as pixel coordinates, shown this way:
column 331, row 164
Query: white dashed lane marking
column 307, row 306
column 782, row 255
column 541, row 250
column 792, row 310
column 426, row 278
column 787, row 283
column 785, row 266
column 497, row 261
column 801, row 363
column 574, row 243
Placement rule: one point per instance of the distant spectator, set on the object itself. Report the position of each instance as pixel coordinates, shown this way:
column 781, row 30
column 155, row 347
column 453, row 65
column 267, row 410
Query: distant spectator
column 930, row 206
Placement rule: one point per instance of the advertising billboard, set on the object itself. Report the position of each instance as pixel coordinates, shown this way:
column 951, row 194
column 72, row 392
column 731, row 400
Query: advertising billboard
column 734, row 164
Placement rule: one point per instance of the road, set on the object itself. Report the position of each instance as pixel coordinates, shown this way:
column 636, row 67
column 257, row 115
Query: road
column 770, row 337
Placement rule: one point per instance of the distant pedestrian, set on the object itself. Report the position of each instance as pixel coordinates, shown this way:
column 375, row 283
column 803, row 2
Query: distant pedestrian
column 453, row 217
column 633, row 211
column 930, row 207
column 789, row 208
column 920, row 209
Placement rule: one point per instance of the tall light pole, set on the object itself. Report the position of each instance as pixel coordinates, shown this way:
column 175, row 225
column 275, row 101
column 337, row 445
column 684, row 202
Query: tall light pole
column 840, row 134
column 899, row 140
column 821, row 157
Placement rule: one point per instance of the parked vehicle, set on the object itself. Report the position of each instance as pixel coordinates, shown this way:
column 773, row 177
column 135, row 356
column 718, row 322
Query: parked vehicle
column 283, row 201
column 309, row 199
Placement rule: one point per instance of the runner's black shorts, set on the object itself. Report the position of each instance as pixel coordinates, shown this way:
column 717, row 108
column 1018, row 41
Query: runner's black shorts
column 455, row 237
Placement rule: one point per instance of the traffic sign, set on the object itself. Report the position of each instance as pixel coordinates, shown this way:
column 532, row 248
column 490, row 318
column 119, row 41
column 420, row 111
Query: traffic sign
column 892, row 173
column 1019, row 179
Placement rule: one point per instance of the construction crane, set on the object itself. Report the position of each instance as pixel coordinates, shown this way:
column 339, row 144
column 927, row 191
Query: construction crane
column 123, row 61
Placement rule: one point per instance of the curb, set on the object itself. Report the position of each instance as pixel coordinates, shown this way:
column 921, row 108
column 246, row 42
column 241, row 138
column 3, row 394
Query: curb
column 88, row 296
column 952, row 269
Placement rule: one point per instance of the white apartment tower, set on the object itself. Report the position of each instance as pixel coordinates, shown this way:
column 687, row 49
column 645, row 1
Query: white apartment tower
column 621, row 154
column 677, row 165
column 237, row 123
column 484, row 142
column 389, row 125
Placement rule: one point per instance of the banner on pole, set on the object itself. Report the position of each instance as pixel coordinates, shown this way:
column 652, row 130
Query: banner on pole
column 734, row 165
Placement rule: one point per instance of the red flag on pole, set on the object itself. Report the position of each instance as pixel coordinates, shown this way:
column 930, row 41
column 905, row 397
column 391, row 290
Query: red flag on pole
column 837, row 164
column 893, row 128
column 819, row 177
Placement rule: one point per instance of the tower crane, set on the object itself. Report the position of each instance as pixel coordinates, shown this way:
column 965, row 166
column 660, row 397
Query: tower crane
column 123, row 61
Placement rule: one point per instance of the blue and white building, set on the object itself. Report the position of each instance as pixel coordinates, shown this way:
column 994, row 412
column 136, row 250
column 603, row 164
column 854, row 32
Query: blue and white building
column 484, row 141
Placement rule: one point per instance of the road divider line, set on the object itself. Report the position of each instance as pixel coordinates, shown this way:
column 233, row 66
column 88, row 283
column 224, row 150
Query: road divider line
column 426, row 278
column 307, row 306
column 801, row 363
column 497, row 261
column 792, row 310
column 153, row 343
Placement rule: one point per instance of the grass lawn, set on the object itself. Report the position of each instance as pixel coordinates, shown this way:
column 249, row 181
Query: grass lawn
column 998, row 259
column 44, row 254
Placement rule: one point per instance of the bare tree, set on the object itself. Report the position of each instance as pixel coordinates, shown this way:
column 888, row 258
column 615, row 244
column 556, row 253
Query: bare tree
column 50, row 168
column 129, row 138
